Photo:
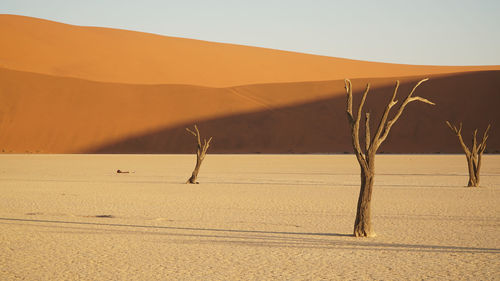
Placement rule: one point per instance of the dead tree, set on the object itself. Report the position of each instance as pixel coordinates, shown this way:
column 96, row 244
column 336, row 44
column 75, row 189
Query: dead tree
column 366, row 155
column 474, row 155
column 201, row 152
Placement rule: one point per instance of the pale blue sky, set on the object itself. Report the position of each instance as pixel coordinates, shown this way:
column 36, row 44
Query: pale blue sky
column 438, row 32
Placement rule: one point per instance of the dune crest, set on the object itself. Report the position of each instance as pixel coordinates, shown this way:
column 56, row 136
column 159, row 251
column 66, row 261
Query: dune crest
column 120, row 56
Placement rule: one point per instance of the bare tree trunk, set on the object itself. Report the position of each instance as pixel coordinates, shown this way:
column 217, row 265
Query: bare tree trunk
column 366, row 155
column 194, row 175
column 473, row 155
column 473, row 176
column 201, row 152
column 362, row 224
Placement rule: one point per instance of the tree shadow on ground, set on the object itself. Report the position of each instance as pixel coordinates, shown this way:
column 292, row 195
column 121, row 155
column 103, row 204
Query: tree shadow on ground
column 239, row 237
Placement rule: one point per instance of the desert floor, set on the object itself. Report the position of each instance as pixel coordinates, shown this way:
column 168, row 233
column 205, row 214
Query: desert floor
column 252, row 217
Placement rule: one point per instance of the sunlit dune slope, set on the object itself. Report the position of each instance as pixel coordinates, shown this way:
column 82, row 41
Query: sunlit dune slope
column 111, row 55
column 53, row 114
column 41, row 113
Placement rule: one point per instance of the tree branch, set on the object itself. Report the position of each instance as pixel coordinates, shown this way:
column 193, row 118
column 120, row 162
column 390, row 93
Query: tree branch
column 474, row 143
column 348, row 88
column 362, row 103
column 408, row 99
column 458, row 132
column 189, row 130
column 198, row 137
column 367, row 131
column 206, row 145
column 355, row 122
column 482, row 146
column 376, row 143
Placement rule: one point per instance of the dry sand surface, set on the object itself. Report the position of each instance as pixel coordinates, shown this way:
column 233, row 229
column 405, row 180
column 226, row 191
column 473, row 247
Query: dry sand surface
column 253, row 217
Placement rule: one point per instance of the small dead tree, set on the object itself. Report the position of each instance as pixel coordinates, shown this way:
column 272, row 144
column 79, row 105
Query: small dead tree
column 473, row 155
column 201, row 152
column 366, row 155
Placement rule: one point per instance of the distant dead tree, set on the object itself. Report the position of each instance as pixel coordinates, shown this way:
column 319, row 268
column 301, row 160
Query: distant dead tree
column 366, row 155
column 473, row 155
column 201, row 152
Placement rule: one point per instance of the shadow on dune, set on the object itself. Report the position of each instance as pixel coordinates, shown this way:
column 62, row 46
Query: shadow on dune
column 321, row 126
column 237, row 237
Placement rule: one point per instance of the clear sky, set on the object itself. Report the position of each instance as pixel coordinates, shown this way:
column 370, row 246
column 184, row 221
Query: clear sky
column 434, row 32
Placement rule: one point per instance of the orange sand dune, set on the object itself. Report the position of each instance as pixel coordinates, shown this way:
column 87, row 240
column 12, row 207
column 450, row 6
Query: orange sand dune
column 111, row 55
column 41, row 113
